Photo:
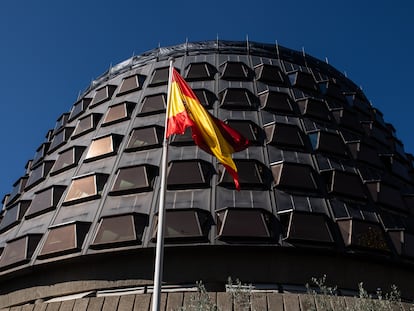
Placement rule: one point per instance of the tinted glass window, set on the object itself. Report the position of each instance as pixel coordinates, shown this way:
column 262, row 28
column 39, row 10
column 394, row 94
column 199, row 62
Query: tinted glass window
column 123, row 229
column 269, row 74
column 67, row 159
column 45, row 200
column 145, row 138
column 103, row 94
column 189, row 174
column 118, row 113
column 79, row 107
column 39, row 174
column 134, row 179
column 159, row 77
column 293, row 175
column 103, row 147
column 285, row 135
column 243, row 99
column 200, row 71
column 86, row 124
column 131, row 84
column 235, row 71
column 85, row 188
column 153, row 104
column 276, row 102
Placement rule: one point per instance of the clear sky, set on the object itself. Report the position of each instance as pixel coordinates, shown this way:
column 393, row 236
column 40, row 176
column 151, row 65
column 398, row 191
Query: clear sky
column 51, row 50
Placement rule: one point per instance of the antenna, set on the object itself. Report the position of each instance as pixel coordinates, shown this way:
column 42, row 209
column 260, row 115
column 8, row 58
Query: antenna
column 247, row 43
column 277, row 50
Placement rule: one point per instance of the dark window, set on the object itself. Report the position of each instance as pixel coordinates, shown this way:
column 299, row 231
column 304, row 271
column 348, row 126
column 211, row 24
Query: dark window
column 64, row 239
column 118, row 113
column 379, row 134
column 131, row 84
column 344, row 183
column 276, row 102
column 313, row 108
column 249, row 130
column 239, row 99
column 40, row 153
column 159, row 76
column 87, row 124
column 189, row 174
column 61, row 122
column 79, row 107
column 67, row 159
column 269, row 74
column 235, row 71
column 103, row 147
column 134, row 179
column 19, row 250
column 327, row 142
column 45, row 200
column 300, row 202
column 347, row 118
column 306, row 227
column 145, row 138
column 153, row 104
column 85, row 188
column 103, row 94
column 364, row 153
column 60, row 138
column 403, row 242
column 385, row 194
column 200, row 71
column 185, row 225
column 284, row 135
column 294, row 176
column 246, row 224
column 206, row 97
column 120, row 230
column 185, row 139
column 253, row 175
column 303, row 80
column 18, row 187
column 360, row 234
column 13, row 215
column 39, row 174
column 331, row 89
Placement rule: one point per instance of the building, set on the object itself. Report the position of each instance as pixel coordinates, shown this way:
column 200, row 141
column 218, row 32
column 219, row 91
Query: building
column 326, row 187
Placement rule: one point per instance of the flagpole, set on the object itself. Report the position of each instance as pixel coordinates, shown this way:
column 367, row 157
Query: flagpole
column 159, row 253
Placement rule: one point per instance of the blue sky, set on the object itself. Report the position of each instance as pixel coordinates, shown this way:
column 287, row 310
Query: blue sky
column 51, row 50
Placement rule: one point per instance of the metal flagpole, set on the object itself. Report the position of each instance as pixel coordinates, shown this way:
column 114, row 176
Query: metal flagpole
column 159, row 253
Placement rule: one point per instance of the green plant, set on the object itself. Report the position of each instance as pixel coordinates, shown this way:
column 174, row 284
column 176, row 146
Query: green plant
column 200, row 301
column 241, row 293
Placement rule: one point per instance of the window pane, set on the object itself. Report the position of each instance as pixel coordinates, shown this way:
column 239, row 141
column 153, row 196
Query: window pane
column 232, row 98
column 67, row 159
column 45, row 200
column 59, row 240
column 243, row 223
column 124, row 229
column 276, row 102
column 85, row 188
column 13, row 215
column 102, row 147
column 249, row 130
column 115, row 113
column 79, row 107
column 39, row 174
column 206, row 97
column 200, row 71
column 185, row 225
column 252, row 175
column 293, row 175
column 145, row 138
column 86, row 124
column 153, row 104
column 235, row 71
column 160, row 76
column 131, row 84
column 285, row 135
column 134, row 179
column 189, row 174
column 103, row 94
column 269, row 74
column 64, row 239
column 14, row 252
column 308, row 227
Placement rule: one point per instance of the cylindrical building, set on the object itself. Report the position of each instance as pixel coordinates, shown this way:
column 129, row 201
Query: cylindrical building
column 326, row 187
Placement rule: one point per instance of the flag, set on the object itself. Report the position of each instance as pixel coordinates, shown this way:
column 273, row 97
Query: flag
column 209, row 133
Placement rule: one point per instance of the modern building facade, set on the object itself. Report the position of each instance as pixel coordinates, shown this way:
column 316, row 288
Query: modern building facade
column 326, row 186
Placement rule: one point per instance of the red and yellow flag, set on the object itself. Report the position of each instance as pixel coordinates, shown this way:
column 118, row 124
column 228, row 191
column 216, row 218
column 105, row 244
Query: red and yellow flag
column 209, row 133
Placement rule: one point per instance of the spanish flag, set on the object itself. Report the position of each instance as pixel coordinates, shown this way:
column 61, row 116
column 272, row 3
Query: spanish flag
column 209, row 133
